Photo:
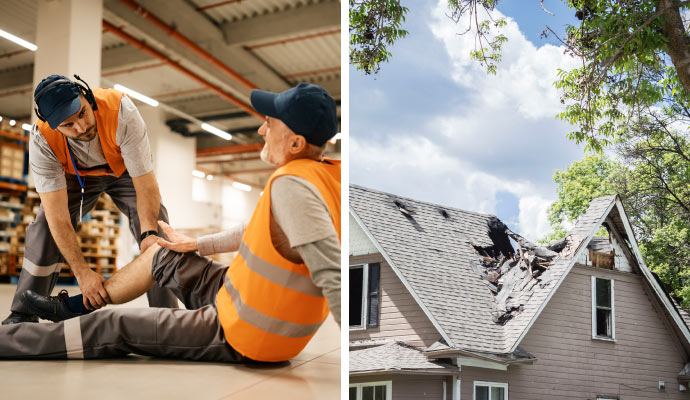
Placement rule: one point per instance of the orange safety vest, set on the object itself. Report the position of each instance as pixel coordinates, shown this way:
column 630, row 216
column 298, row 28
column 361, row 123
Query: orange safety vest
column 269, row 307
column 108, row 101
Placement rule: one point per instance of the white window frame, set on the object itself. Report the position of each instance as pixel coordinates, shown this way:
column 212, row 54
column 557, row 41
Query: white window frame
column 365, row 297
column 490, row 385
column 594, row 311
column 458, row 387
column 388, row 384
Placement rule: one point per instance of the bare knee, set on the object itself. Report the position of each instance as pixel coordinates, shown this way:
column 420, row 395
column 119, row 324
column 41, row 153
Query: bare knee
column 134, row 279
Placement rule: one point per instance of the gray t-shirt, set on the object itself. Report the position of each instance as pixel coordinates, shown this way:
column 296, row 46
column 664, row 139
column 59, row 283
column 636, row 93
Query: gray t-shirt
column 48, row 172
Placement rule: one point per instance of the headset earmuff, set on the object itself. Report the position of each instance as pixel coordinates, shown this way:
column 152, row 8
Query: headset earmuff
column 88, row 93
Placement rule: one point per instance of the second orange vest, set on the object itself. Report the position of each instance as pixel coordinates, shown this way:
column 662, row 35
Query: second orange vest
column 269, row 307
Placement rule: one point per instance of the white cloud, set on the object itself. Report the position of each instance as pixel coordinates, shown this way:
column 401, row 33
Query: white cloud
column 420, row 169
column 525, row 75
column 498, row 133
column 534, row 222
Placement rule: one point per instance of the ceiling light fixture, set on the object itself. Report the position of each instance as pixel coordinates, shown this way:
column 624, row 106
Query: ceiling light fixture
column 209, row 177
column 242, row 186
column 26, row 127
column 13, row 122
column 17, row 40
column 137, row 95
column 218, row 132
column 198, row 174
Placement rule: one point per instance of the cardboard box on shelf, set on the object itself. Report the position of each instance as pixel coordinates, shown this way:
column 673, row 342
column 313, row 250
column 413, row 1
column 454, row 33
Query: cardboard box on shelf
column 12, row 160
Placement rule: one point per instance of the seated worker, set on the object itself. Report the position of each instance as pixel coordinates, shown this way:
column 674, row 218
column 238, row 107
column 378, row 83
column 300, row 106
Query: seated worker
column 265, row 306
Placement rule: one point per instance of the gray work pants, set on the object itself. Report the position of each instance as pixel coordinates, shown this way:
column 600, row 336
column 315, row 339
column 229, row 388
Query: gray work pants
column 42, row 259
column 192, row 334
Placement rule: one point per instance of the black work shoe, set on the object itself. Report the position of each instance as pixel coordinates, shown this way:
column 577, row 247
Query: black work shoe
column 17, row 317
column 48, row 307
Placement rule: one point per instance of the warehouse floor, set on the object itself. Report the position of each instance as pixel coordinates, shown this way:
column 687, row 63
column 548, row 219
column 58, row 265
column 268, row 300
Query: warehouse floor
column 314, row 373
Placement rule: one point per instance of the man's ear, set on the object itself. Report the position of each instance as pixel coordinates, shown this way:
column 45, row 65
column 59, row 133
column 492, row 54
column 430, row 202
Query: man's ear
column 297, row 144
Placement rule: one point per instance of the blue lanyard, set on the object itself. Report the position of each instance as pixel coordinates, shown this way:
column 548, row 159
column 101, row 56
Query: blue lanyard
column 81, row 202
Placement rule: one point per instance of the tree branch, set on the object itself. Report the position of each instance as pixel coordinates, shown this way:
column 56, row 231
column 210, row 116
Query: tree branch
column 545, row 10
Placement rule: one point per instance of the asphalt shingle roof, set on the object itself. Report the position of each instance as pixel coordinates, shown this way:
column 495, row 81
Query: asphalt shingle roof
column 392, row 357
column 431, row 246
column 434, row 255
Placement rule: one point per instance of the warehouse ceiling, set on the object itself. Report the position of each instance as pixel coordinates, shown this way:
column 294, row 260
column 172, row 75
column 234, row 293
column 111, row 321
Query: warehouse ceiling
column 198, row 57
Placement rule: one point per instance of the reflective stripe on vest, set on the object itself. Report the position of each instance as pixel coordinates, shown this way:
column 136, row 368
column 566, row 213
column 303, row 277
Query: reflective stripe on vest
column 298, row 282
column 266, row 322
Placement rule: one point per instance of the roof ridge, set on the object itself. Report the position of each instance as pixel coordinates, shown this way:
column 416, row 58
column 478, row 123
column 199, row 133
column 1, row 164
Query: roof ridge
column 352, row 185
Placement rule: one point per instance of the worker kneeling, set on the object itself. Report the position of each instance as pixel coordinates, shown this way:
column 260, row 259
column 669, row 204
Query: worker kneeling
column 265, row 306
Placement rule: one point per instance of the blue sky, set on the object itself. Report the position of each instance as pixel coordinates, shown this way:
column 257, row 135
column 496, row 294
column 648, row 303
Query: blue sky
column 432, row 125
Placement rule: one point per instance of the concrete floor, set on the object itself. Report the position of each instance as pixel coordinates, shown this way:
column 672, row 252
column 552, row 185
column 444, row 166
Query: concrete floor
column 314, row 373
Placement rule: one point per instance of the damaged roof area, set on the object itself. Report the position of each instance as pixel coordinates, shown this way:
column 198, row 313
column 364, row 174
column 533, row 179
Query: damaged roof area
column 511, row 268
column 479, row 283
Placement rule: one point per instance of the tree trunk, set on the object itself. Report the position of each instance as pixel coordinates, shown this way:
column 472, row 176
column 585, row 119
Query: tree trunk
column 678, row 43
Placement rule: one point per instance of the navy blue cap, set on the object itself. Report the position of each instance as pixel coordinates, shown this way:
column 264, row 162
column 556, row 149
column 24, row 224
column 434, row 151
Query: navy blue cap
column 306, row 109
column 57, row 98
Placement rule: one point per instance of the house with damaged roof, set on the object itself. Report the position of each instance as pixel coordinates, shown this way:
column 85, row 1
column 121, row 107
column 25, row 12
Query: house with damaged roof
column 452, row 304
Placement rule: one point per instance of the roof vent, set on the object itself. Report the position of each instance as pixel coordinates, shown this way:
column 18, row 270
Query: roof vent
column 444, row 213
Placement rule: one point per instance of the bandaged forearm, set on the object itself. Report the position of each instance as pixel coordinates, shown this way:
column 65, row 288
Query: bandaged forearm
column 222, row 242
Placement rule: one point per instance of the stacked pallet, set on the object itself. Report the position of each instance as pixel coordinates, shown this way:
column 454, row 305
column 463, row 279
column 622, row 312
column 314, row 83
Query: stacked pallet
column 97, row 236
column 12, row 161
column 27, row 214
column 13, row 142
column 10, row 207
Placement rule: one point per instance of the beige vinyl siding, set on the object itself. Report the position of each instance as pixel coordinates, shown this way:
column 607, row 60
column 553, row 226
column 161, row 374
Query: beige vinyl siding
column 572, row 365
column 411, row 387
column 401, row 318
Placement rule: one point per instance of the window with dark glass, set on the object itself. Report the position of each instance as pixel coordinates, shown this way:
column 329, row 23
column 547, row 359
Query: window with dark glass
column 357, row 298
column 603, row 308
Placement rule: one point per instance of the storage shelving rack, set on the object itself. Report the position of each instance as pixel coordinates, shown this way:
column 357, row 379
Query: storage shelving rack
column 13, row 172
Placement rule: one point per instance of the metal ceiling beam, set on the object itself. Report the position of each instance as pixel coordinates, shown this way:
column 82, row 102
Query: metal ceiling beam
column 122, row 57
column 113, row 58
column 220, row 4
column 17, row 77
column 120, row 14
column 269, row 27
column 176, row 35
column 295, row 39
column 143, row 46
column 236, row 149
column 227, row 158
column 194, row 25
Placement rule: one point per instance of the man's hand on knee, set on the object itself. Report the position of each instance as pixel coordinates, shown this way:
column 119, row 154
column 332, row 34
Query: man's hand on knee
column 91, row 285
column 178, row 242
